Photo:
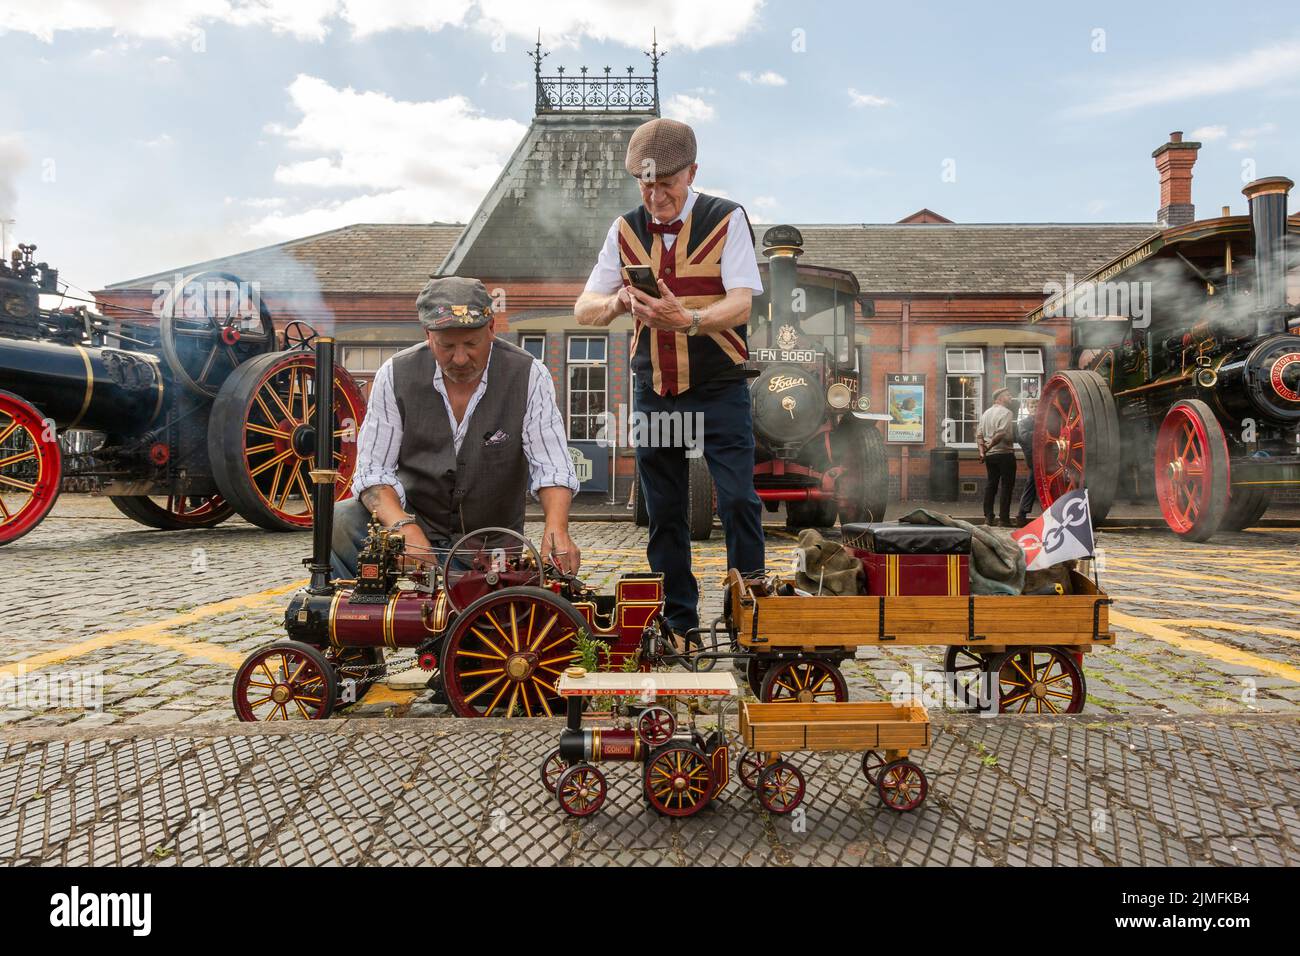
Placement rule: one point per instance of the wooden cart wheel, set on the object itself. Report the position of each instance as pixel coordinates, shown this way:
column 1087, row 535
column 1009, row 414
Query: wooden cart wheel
column 1076, row 440
column 553, row 767
column 1039, row 680
column 1192, row 470
column 963, row 672
column 804, row 681
column 749, row 767
column 780, row 787
column 678, row 780
column 656, row 726
column 365, row 665
column 581, row 790
column 174, row 512
column 872, row 762
column 31, row 467
column 902, row 785
column 755, row 671
column 504, row 654
column 286, row 680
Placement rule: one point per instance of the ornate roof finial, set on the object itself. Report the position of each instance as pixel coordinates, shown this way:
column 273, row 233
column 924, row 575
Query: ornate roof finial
column 537, row 56
column 655, row 57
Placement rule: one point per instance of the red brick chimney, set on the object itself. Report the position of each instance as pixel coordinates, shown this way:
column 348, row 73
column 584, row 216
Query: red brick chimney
column 1174, row 162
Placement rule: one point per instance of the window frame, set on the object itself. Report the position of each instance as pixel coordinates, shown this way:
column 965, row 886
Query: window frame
column 585, row 365
column 964, row 372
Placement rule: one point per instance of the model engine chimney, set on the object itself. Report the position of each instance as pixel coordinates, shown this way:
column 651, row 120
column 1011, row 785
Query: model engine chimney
column 1268, row 201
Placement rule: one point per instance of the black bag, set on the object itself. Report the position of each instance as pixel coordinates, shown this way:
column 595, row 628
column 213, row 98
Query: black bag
column 882, row 538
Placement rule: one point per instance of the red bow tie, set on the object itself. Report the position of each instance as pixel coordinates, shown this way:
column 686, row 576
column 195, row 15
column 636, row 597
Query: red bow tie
column 663, row 227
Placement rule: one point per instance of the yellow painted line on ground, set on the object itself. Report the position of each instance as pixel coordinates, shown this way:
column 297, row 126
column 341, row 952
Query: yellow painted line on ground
column 1121, row 564
column 1127, row 598
column 155, row 634
column 1220, row 652
column 1231, row 626
column 1132, row 578
column 381, row 694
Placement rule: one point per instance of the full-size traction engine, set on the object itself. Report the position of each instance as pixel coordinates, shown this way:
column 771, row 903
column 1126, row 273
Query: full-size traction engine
column 1200, row 400
column 182, row 421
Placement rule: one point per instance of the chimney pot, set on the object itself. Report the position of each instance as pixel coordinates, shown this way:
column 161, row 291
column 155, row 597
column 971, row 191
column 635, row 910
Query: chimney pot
column 1176, row 136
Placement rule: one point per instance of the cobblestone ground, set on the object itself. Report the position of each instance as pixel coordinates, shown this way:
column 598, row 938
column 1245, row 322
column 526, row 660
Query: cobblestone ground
column 1188, row 751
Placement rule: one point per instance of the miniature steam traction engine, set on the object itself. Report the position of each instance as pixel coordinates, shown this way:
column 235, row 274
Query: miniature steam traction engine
column 181, row 423
column 1199, row 400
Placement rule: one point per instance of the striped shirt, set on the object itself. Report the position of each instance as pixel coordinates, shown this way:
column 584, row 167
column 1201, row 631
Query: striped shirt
column 545, row 446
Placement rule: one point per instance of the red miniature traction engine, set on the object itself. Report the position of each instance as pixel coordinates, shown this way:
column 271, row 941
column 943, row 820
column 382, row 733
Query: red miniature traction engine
column 494, row 627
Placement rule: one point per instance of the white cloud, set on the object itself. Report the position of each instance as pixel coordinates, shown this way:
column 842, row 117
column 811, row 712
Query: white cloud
column 1209, row 134
column 1247, row 138
column 679, row 23
column 159, row 141
column 764, row 202
column 866, row 99
column 1265, row 66
column 395, row 162
column 688, row 109
column 766, row 78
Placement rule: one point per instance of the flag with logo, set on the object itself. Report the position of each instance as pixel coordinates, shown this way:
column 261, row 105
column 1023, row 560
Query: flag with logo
column 1062, row 532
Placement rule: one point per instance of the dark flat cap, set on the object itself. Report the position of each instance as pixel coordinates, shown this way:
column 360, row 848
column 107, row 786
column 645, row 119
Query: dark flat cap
column 453, row 302
column 660, row 148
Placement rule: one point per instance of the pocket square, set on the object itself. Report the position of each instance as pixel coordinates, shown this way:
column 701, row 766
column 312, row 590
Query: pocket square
column 496, row 438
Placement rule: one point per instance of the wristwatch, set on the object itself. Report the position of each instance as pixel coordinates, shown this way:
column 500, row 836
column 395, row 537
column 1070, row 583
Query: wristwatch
column 695, row 322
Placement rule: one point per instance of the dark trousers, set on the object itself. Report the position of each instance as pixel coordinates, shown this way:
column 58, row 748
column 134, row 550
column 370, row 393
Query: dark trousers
column 1001, row 469
column 1028, row 497
column 722, row 408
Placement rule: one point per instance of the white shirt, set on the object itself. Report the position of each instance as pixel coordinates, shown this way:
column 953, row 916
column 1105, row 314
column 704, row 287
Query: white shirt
column 739, row 264
column 545, row 446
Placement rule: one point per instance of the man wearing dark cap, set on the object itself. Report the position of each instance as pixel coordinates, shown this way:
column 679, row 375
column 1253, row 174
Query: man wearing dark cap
column 688, row 350
column 458, row 430
column 995, row 438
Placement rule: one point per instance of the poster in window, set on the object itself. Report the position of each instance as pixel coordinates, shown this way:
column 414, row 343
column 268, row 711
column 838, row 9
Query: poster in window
column 906, row 394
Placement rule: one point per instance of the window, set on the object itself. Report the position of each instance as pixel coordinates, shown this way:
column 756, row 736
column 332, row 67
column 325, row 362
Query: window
column 587, row 378
column 368, row 358
column 534, row 345
column 964, row 395
column 1025, row 377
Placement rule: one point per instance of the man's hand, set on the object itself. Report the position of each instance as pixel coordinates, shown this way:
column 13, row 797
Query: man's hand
column 561, row 550
column 665, row 313
column 420, row 551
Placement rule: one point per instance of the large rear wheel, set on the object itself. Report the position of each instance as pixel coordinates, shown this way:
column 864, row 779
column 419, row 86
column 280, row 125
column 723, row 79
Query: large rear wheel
column 174, row 512
column 1192, row 470
column 1077, row 441
column 862, row 488
column 31, row 467
column 1246, row 506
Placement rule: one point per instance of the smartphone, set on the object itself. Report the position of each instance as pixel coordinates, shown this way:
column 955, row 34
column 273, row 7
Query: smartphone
column 643, row 278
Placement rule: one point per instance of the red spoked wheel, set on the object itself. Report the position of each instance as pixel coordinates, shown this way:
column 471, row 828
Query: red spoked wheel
column 507, row 650
column 174, row 512
column 1039, row 680
column 1077, row 440
column 678, row 780
column 31, row 467
column 581, row 790
column 804, row 681
column 872, row 764
column 262, row 438
column 1192, row 470
column 749, row 766
column 285, row 681
column 656, row 726
column 780, row 787
column 902, row 786
column 553, row 767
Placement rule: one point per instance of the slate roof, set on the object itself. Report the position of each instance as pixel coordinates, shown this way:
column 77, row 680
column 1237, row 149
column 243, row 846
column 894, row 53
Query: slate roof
column 549, row 210
column 368, row 257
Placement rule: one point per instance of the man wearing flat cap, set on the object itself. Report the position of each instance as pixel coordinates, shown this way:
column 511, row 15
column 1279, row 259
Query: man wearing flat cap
column 459, row 429
column 688, row 350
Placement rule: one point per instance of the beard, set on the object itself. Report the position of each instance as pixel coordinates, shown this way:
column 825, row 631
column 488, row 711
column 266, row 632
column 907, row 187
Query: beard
column 462, row 376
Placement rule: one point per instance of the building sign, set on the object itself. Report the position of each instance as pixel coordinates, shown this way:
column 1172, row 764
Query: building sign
column 906, row 407
column 591, row 463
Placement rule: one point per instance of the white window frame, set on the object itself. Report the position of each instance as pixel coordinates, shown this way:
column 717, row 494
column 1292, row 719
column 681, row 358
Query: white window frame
column 534, row 337
column 385, row 352
column 964, row 363
column 1023, row 361
column 574, row 365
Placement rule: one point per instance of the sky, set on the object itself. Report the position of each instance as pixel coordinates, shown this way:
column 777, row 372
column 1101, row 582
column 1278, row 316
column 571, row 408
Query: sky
column 140, row 136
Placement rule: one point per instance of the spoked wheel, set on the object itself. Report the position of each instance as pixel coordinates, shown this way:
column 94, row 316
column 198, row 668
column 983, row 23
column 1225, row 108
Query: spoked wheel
column 862, row 488
column 804, row 681
column 749, row 767
column 1191, row 470
column 678, row 780
column 780, row 787
column 872, row 764
column 31, row 467
column 656, row 726
column 553, row 766
column 209, row 325
column 506, row 651
column 297, row 335
column 262, row 438
column 174, row 512
column 364, row 665
column 285, row 681
column 581, row 790
column 700, row 498
column 902, row 785
column 1039, row 680
column 488, row 560
column 1246, row 506
column 963, row 673
column 1076, row 440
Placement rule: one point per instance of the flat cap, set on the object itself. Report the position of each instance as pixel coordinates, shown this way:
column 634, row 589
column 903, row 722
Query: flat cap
column 453, row 302
column 660, row 148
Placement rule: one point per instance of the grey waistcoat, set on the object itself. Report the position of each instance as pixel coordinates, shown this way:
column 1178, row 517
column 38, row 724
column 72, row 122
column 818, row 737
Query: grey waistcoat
column 485, row 484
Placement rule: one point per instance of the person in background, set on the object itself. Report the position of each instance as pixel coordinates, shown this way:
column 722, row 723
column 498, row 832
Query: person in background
column 995, row 439
column 1029, row 497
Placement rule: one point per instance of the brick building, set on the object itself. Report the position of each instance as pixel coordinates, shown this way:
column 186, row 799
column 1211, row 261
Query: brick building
column 943, row 300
